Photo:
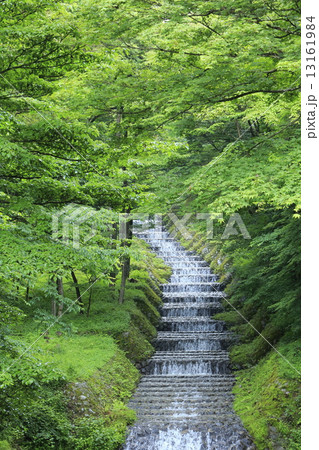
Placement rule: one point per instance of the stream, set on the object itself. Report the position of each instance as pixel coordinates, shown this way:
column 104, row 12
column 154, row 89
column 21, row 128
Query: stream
column 184, row 399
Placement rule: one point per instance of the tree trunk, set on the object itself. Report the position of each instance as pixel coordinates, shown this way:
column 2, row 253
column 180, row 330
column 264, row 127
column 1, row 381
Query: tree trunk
column 59, row 284
column 77, row 292
column 53, row 303
column 27, row 293
column 128, row 223
column 90, row 298
column 126, row 259
column 115, row 270
column 251, row 128
column 53, row 308
column 257, row 125
column 238, row 128
column 125, row 275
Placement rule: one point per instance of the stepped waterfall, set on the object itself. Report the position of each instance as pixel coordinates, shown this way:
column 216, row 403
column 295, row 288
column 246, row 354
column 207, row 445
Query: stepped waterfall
column 184, row 398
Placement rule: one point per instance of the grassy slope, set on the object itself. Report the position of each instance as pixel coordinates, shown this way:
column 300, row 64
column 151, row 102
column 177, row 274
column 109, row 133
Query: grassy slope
column 268, row 399
column 96, row 356
column 267, row 392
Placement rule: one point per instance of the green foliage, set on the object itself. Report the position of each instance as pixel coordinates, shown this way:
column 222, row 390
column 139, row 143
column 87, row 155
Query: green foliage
column 119, row 106
column 268, row 399
column 77, row 356
column 44, row 427
column 22, row 367
column 93, row 434
column 9, row 315
column 262, row 279
column 35, row 416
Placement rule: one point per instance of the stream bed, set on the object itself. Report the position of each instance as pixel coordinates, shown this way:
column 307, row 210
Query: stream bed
column 184, row 399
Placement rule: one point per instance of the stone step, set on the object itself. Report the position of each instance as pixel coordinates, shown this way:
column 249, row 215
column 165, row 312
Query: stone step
column 191, row 325
column 191, row 353
column 191, row 279
column 191, row 288
column 203, row 397
column 181, row 409
column 185, row 259
column 153, row 382
column 178, row 264
column 197, row 382
column 177, row 251
column 178, row 412
column 193, row 271
column 161, row 385
column 208, row 283
column 172, row 306
column 195, row 335
column 186, row 401
column 196, row 319
column 185, row 393
column 188, row 358
column 156, row 240
column 182, row 387
column 189, row 313
column 185, row 305
column 190, row 291
column 169, row 367
column 185, row 378
column 212, row 294
column 213, row 379
column 187, row 381
column 181, row 250
column 208, row 416
column 193, row 300
column 187, row 345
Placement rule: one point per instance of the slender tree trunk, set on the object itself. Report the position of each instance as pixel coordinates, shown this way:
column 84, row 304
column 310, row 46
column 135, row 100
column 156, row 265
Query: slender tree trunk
column 27, row 292
column 53, row 303
column 114, row 271
column 128, row 223
column 254, row 127
column 59, row 283
column 90, row 299
column 238, row 128
column 125, row 275
column 257, row 125
column 251, row 128
column 53, row 308
column 78, row 292
column 126, row 260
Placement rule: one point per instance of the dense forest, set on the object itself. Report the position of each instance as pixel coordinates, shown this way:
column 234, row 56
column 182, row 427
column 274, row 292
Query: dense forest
column 112, row 107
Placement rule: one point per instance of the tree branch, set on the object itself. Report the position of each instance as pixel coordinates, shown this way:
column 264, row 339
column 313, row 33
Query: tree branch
column 274, row 134
column 266, row 91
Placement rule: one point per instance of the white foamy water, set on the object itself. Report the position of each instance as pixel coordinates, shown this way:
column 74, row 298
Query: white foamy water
column 184, row 399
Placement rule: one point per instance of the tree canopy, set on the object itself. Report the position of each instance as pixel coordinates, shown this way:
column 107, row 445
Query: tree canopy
column 110, row 107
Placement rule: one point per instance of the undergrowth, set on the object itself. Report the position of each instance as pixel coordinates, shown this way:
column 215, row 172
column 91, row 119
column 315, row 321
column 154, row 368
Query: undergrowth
column 65, row 385
column 261, row 282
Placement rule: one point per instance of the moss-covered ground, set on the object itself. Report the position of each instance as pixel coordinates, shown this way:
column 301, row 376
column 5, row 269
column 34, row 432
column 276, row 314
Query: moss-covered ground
column 86, row 364
column 267, row 389
column 268, row 399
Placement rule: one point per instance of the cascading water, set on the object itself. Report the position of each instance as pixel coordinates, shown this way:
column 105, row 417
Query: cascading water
column 184, row 399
